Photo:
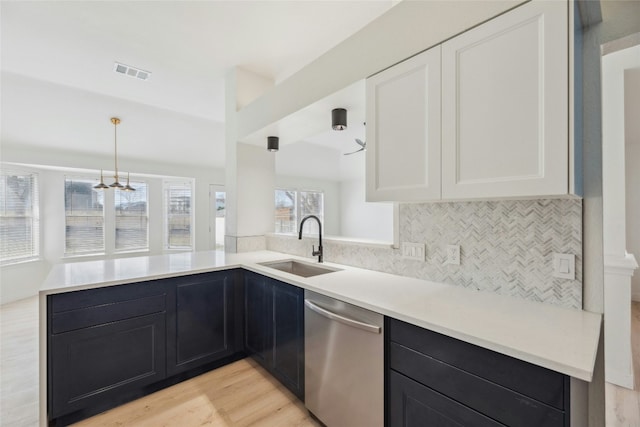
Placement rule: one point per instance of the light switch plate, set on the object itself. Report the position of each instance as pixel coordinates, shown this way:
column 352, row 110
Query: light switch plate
column 415, row 251
column 564, row 266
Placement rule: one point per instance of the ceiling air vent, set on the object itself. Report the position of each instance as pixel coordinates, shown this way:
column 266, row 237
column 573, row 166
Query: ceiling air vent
column 131, row 71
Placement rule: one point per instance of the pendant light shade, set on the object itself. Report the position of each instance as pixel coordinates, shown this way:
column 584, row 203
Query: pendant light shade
column 102, row 185
column 338, row 119
column 273, row 143
column 128, row 187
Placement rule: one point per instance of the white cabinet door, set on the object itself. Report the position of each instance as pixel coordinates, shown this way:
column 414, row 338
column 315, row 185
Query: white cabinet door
column 505, row 106
column 403, row 130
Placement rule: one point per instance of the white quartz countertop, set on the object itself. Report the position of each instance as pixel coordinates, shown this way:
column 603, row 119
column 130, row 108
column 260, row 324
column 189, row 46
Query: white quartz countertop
column 560, row 339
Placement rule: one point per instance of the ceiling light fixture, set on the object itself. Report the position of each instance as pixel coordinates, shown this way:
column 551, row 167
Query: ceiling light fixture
column 338, row 119
column 130, row 71
column 273, row 143
column 116, row 184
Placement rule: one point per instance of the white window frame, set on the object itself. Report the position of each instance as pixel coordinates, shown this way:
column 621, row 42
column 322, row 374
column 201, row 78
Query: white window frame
column 36, row 242
column 297, row 213
column 109, row 215
column 115, row 216
column 166, row 184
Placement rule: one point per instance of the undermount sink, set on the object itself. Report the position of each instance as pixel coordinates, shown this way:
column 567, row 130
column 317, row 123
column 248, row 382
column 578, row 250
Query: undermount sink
column 299, row 268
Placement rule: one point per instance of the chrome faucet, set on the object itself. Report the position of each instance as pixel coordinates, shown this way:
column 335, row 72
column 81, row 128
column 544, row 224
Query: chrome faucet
column 317, row 253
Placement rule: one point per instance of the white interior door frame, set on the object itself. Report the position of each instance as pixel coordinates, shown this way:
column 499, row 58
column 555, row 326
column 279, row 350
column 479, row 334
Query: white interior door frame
column 619, row 265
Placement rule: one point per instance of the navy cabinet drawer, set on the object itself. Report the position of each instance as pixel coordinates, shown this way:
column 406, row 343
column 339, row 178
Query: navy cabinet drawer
column 412, row 404
column 68, row 301
column 495, row 401
column 538, row 383
column 106, row 313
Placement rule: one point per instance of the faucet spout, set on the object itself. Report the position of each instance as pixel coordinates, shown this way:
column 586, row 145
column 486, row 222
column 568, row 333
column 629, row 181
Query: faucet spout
column 317, row 253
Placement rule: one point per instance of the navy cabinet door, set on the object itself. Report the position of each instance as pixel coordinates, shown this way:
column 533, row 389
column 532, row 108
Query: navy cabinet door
column 258, row 320
column 288, row 336
column 91, row 366
column 201, row 328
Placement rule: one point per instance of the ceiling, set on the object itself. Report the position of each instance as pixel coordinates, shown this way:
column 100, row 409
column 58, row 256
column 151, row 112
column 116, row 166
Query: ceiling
column 58, row 56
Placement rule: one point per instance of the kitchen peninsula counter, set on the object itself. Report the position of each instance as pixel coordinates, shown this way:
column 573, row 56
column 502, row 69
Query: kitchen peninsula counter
column 561, row 339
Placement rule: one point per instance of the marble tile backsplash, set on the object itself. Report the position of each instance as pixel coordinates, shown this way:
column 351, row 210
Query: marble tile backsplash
column 506, row 247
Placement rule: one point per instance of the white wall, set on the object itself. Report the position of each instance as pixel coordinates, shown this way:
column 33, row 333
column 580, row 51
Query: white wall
column 361, row 219
column 632, row 157
column 308, row 160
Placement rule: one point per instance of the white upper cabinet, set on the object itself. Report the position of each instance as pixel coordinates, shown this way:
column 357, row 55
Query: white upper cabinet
column 505, row 106
column 403, row 130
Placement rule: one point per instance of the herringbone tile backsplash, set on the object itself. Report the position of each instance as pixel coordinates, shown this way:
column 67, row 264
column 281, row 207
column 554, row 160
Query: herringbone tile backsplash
column 505, row 247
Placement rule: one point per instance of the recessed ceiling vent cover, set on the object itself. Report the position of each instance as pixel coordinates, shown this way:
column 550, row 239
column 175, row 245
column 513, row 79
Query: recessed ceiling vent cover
column 131, row 71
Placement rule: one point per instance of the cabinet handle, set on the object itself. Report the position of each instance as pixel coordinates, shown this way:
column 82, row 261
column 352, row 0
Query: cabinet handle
column 345, row 320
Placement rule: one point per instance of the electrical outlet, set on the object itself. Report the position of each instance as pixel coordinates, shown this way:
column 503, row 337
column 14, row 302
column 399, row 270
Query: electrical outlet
column 414, row 251
column 453, row 255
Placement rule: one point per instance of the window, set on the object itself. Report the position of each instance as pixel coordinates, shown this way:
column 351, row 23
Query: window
column 221, row 204
column 84, row 217
column 19, row 220
column 286, row 220
column 292, row 206
column 178, row 215
column 132, row 218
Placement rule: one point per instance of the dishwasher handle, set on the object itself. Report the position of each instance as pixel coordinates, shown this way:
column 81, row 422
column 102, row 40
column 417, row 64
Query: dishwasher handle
column 345, row 320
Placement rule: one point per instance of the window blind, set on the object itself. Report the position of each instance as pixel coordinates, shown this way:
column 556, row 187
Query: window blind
column 177, row 208
column 84, row 217
column 19, row 217
column 132, row 218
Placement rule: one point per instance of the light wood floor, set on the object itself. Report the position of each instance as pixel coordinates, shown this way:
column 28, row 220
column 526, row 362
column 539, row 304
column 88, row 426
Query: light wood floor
column 19, row 364
column 237, row 395
column 623, row 405
column 240, row 394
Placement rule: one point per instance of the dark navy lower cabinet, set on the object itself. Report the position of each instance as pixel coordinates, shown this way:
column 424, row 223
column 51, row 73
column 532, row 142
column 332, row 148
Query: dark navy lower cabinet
column 111, row 345
column 258, row 323
column 435, row 380
column 104, row 346
column 412, row 404
column 92, row 365
column 288, row 336
column 201, row 327
column 274, row 329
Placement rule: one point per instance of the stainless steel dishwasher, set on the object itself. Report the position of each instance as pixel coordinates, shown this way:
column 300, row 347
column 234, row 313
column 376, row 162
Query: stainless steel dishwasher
column 344, row 362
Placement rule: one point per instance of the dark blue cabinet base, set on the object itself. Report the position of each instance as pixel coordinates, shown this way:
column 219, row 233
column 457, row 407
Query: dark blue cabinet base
column 435, row 380
column 112, row 345
column 274, row 329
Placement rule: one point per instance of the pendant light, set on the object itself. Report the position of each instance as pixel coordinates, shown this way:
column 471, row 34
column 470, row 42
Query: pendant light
column 128, row 187
column 116, row 183
column 102, row 185
column 338, row 119
column 273, row 143
column 116, row 122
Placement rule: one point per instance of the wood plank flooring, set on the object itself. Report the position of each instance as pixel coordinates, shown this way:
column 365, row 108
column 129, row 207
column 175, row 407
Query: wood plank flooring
column 19, row 363
column 241, row 394
column 623, row 405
